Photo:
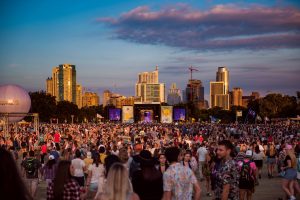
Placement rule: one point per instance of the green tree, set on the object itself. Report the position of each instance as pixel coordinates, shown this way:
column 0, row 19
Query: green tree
column 64, row 111
column 44, row 104
column 278, row 105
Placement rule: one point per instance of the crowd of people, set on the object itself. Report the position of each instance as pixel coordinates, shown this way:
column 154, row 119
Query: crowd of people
column 148, row 161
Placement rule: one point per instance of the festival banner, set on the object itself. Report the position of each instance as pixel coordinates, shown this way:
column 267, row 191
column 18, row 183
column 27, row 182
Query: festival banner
column 127, row 114
column 166, row 114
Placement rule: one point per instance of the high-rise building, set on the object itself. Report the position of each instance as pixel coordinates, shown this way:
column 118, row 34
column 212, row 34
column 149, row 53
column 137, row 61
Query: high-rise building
column 237, row 94
column 216, row 88
column 67, row 83
column 79, row 96
column 148, row 89
column 223, row 76
column 195, row 91
column 256, row 95
column 63, row 83
column 219, row 89
column 106, row 96
column 49, row 86
column 222, row 101
column 174, row 95
column 90, row 99
column 55, row 82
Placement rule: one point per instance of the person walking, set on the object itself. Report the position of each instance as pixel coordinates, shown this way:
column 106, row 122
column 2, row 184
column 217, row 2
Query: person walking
column 227, row 176
column 201, row 152
column 248, row 172
column 31, row 167
column 179, row 181
column 79, row 167
column 63, row 186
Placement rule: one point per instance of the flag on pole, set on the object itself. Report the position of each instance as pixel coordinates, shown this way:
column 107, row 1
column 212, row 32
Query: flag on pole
column 239, row 113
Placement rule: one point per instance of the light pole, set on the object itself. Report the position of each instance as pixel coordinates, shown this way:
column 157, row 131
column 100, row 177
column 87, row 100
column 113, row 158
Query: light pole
column 72, row 116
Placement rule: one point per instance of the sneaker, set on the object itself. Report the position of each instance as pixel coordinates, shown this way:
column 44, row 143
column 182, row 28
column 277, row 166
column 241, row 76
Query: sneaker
column 292, row 197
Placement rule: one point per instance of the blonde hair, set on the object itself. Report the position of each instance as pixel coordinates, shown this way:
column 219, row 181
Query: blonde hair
column 117, row 185
column 291, row 153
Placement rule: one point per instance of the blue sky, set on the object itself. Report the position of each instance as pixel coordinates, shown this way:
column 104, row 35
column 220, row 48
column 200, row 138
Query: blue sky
column 111, row 41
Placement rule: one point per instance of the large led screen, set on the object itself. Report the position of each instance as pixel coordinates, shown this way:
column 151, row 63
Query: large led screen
column 114, row 114
column 179, row 114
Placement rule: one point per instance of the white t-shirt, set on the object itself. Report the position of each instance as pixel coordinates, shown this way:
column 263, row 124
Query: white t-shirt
column 78, row 165
column 97, row 172
column 259, row 156
column 201, row 153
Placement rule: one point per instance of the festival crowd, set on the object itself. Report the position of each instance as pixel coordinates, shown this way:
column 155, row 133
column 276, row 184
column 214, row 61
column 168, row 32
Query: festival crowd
column 112, row 161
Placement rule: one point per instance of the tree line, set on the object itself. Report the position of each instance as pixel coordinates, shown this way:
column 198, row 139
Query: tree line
column 271, row 106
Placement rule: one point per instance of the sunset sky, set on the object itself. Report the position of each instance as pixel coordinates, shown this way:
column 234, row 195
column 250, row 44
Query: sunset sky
column 111, row 41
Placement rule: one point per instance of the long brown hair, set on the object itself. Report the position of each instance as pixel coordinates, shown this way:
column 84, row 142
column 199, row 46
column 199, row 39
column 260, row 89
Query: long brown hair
column 62, row 176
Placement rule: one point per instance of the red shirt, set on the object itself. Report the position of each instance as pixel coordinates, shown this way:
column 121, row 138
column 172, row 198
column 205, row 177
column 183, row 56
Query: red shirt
column 56, row 137
column 44, row 148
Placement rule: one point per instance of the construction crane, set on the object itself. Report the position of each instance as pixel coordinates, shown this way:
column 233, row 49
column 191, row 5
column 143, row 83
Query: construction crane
column 191, row 70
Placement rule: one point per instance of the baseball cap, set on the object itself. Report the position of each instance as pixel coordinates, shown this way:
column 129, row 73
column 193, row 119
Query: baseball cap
column 248, row 153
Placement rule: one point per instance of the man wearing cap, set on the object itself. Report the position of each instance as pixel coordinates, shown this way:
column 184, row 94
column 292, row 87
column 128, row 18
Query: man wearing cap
column 247, row 180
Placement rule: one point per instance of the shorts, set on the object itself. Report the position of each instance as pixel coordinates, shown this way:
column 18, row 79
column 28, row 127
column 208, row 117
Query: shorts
column 290, row 174
column 246, row 185
column 80, row 180
column 258, row 163
column 93, row 187
column 271, row 161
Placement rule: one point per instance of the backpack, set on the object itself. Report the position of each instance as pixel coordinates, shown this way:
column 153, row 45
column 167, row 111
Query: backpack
column 30, row 167
column 245, row 175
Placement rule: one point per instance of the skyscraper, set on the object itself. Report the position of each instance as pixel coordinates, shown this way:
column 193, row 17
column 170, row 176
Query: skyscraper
column 63, row 83
column 148, row 89
column 223, row 75
column 67, row 83
column 219, row 89
column 79, row 96
column 90, row 99
column 195, row 91
column 174, row 95
column 237, row 94
column 49, row 86
column 55, row 82
column 106, row 96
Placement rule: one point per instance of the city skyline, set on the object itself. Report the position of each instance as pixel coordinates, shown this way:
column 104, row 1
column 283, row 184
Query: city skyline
column 111, row 42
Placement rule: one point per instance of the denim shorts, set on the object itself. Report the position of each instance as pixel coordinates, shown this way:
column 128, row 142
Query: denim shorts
column 290, row 174
column 93, row 187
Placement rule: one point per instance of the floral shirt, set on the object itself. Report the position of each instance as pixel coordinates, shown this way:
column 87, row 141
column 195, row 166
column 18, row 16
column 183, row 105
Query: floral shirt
column 228, row 173
column 179, row 180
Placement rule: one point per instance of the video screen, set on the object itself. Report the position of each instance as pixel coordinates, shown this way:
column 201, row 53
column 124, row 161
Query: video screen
column 179, row 114
column 114, row 114
column 146, row 116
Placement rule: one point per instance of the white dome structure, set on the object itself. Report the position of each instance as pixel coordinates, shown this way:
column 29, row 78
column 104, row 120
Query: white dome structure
column 14, row 99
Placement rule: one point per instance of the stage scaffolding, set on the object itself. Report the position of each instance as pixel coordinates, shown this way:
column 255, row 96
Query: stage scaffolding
column 5, row 117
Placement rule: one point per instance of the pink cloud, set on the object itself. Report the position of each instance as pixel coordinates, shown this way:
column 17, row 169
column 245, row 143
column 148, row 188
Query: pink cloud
column 221, row 27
